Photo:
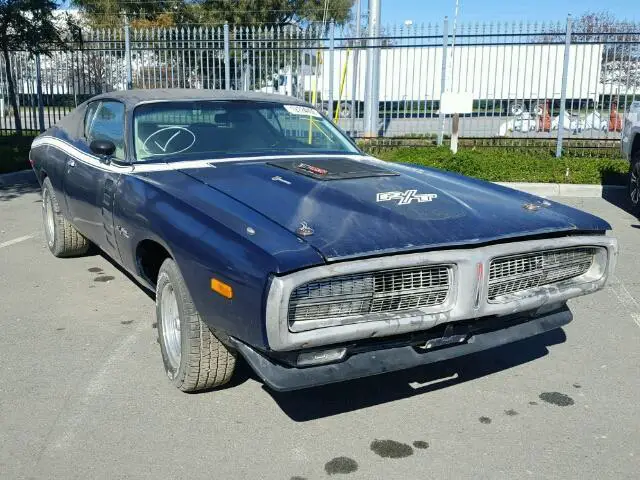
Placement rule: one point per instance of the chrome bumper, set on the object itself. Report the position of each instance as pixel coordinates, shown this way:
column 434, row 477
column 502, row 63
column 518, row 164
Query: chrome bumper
column 468, row 297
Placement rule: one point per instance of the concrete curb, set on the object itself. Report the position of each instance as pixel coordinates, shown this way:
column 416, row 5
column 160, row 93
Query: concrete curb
column 563, row 189
column 17, row 178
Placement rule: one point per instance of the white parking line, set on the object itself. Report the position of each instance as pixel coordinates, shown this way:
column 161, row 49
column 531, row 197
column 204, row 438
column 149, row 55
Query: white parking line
column 626, row 299
column 8, row 243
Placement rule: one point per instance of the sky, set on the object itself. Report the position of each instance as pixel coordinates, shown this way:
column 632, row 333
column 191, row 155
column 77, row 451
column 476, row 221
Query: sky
column 398, row 11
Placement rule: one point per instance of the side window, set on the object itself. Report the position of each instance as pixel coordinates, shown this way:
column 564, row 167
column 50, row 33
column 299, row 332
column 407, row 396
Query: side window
column 89, row 116
column 271, row 117
column 107, row 123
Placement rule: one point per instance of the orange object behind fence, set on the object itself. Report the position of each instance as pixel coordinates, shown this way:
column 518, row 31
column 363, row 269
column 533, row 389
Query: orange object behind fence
column 615, row 119
column 544, row 119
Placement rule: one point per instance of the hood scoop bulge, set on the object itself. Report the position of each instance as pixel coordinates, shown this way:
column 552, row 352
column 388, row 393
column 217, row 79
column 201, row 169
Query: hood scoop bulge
column 332, row 168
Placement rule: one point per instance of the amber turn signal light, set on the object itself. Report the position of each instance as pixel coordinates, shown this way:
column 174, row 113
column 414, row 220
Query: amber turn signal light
column 222, row 288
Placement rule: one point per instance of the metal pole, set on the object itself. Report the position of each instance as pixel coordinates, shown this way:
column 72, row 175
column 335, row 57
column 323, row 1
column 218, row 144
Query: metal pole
column 331, row 75
column 227, row 59
column 443, row 79
column 563, row 91
column 354, row 73
column 373, row 72
column 455, row 124
column 39, row 93
column 127, row 50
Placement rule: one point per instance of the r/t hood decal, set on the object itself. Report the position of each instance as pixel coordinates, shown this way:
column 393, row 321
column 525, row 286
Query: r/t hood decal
column 406, row 197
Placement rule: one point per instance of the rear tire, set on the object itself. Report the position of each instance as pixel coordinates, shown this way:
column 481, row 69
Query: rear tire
column 194, row 359
column 634, row 183
column 62, row 238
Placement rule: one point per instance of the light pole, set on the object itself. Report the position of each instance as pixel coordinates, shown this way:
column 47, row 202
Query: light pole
column 371, row 105
column 355, row 74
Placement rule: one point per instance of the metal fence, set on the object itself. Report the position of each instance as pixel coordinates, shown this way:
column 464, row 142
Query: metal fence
column 527, row 80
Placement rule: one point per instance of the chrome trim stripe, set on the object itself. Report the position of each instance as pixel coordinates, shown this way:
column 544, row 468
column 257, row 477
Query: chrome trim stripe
column 94, row 161
column 149, row 167
column 78, row 154
column 465, row 284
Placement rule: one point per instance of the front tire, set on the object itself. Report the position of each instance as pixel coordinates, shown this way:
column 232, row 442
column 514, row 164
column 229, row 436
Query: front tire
column 194, row 359
column 62, row 238
column 634, row 183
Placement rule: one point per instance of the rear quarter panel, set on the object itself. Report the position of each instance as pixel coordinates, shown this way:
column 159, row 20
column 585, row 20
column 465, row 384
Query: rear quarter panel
column 49, row 162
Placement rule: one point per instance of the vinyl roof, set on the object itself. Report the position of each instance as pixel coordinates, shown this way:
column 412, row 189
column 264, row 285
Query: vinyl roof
column 136, row 96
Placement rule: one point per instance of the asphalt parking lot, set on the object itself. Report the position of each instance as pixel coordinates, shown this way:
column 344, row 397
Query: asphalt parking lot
column 83, row 393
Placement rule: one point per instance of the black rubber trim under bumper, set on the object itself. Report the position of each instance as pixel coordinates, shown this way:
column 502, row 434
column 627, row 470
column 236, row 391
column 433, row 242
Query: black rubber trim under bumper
column 374, row 362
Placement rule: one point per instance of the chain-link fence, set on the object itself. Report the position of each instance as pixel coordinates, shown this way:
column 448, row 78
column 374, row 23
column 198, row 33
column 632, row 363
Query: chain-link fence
column 527, row 80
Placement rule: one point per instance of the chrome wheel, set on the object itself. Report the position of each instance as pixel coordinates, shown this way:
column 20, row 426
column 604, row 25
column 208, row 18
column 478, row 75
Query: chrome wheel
column 170, row 318
column 634, row 193
column 47, row 216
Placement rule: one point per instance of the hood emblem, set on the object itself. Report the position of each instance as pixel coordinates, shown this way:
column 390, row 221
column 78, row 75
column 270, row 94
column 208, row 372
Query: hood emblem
column 406, row 197
column 312, row 169
column 304, row 230
column 533, row 207
column 278, row 178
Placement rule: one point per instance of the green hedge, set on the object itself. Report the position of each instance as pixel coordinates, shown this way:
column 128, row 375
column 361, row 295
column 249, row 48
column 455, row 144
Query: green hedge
column 500, row 165
column 493, row 164
column 14, row 153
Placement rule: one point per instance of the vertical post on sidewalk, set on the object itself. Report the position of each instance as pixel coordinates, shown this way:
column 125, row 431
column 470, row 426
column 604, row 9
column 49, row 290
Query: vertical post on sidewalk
column 455, row 125
column 332, row 41
column 127, row 51
column 563, row 91
column 443, row 78
column 39, row 94
column 227, row 59
column 372, row 105
column 355, row 74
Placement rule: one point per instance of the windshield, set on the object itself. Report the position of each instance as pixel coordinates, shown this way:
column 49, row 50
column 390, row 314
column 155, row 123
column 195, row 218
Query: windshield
column 170, row 131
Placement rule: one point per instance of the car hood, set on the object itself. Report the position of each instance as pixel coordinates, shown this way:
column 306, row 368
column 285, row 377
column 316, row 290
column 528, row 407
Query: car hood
column 360, row 206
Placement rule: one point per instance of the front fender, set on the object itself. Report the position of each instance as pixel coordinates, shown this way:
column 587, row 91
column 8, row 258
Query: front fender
column 206, row 232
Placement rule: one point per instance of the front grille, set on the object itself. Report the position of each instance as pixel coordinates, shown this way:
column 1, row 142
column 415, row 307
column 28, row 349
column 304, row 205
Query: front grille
column 523, row 272
column 372, row 292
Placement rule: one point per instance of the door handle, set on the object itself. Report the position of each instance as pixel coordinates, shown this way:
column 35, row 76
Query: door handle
column 71, row 163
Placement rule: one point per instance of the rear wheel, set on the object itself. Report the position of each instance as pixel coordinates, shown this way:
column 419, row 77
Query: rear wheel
column 634, row 182
column 193, row 357
column 62, row 238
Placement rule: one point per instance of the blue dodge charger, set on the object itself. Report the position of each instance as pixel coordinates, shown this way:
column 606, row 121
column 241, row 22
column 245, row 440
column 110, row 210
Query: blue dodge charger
column 265, row 232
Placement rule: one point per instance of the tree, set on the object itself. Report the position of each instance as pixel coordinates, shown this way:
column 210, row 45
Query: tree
column 97, row 72
column 107, row 13
column 278, row 12
column 621, row 47
column 620, row 40
column 29, row 26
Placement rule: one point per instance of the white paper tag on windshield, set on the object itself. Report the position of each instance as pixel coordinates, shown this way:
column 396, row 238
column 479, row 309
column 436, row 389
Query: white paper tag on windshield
column 301, row 110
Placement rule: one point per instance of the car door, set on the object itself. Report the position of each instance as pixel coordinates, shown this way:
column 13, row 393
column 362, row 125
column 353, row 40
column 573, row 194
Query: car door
column 90, row 182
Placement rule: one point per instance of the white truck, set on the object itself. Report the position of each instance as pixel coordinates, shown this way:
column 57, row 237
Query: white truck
column 511, row 78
